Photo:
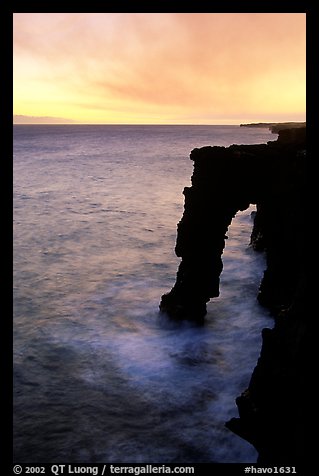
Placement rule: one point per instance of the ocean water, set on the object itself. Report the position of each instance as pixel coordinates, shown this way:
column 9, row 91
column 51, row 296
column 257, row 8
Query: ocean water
column 99, row 374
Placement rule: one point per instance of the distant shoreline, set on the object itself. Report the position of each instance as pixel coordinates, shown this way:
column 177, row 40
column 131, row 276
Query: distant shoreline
column 275, row 127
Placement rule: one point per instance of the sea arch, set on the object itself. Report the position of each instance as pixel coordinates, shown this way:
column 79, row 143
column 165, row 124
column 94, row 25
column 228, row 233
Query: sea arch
column 224, row 181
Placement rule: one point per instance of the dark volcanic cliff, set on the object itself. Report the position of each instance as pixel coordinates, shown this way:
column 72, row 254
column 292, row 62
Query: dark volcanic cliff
column 225, row 180
column 275, row 127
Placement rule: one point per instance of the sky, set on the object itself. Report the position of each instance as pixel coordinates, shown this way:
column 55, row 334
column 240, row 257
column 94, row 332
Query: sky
column 159, row 68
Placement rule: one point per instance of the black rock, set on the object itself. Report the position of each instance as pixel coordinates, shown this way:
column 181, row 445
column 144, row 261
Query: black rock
column 273, row 410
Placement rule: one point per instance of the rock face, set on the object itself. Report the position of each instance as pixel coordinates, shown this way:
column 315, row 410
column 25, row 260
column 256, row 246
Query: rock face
column 225, row 180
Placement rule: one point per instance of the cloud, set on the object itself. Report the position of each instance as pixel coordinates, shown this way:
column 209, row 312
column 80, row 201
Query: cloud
column 180, row 62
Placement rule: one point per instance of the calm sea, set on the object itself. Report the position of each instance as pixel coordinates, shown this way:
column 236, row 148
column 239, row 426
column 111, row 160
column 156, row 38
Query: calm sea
column 99, row 375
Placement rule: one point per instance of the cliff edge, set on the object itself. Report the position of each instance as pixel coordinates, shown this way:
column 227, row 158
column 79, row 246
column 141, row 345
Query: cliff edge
column 272, row 411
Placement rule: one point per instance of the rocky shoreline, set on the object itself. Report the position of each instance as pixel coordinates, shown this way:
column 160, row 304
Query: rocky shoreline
column 275, row 127
column 272, row 411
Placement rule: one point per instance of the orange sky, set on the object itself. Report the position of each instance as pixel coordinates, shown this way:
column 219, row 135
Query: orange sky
column 157, row 68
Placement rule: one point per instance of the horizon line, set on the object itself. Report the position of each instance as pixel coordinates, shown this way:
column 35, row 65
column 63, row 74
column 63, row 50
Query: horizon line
column 147, row 124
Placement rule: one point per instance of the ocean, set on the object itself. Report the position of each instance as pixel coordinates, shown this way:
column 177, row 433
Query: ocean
column 99, row 375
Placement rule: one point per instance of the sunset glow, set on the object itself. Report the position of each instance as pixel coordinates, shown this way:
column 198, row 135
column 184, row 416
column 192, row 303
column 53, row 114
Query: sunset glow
column 159, row 68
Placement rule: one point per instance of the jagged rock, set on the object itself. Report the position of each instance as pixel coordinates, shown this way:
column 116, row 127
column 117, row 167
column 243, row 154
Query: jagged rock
column 224, row 181
column 273, row 410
